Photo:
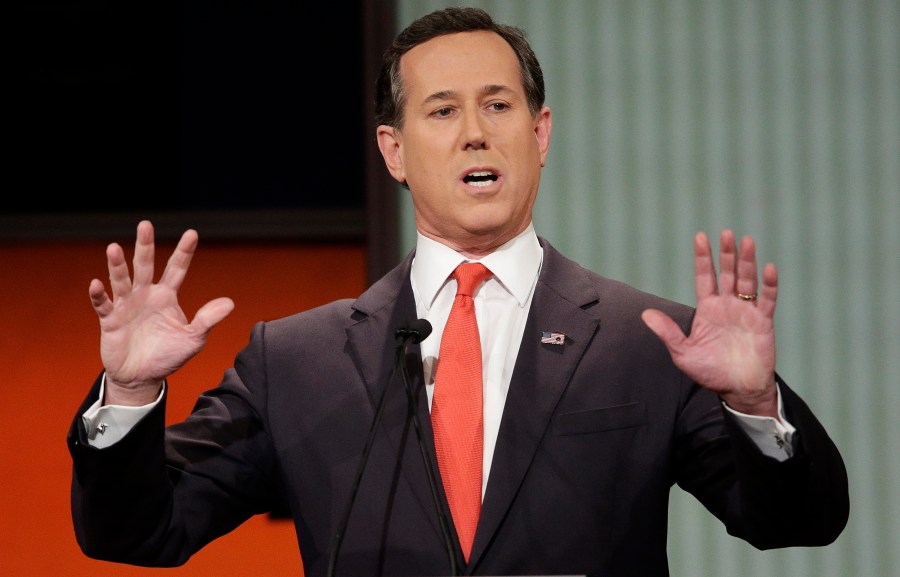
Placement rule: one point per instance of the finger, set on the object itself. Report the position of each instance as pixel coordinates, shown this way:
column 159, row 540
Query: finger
column 99, row 299
column 212, row 313
column 119, row 278
column 143, row 254
column 180, row 261
column 769, row 292
column 747, row 281
column 665, row 328
column 727, row 262
column 704, row 268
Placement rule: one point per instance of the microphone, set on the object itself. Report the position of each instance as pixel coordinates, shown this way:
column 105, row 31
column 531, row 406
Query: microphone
column 412, row 333
column 416, row 331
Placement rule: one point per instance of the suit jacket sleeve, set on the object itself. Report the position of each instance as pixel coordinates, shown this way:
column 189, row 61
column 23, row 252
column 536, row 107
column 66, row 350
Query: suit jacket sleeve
column 803, row 501
column 157, row 496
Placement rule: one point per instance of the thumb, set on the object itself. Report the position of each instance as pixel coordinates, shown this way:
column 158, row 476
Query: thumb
column 664, row 327
column 212, row 313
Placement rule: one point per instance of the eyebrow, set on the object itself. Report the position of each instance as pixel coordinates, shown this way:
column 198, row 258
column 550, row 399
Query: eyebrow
column 488, row 90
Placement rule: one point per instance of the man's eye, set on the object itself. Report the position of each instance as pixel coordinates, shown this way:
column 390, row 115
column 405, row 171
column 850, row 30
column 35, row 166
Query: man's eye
column 499, row 106
column 443, row 112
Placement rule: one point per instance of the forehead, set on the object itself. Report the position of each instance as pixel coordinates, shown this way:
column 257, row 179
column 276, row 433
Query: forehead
column 460, row 62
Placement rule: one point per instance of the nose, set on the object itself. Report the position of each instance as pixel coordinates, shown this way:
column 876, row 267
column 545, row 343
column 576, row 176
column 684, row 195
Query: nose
column 474, row 137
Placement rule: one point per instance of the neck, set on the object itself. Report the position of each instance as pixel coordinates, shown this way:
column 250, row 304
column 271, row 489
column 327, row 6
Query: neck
column 475, row 247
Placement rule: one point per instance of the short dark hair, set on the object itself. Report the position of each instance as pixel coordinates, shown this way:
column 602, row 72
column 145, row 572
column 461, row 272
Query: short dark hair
column 389, row 94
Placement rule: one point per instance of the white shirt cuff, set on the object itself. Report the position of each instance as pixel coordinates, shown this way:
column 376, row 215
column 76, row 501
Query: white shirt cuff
column 108, row 424
column 772, row 436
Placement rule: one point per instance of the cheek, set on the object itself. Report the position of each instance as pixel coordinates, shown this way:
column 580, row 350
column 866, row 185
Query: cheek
column 420, row 164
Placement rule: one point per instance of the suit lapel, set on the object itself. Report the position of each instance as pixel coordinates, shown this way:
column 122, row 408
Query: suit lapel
column 539, row 379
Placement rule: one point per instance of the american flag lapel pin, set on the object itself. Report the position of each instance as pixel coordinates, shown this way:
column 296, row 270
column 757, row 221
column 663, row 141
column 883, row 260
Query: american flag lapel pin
column 552, row 338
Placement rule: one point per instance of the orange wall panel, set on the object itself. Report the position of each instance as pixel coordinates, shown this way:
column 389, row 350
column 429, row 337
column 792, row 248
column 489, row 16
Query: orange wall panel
column 49, row 347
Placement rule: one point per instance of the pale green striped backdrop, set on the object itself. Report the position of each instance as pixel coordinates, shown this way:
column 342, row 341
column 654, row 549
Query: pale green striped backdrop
column 780, row 119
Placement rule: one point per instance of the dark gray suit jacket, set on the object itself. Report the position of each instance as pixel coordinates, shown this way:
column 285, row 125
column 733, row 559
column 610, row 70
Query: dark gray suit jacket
column 594, row 434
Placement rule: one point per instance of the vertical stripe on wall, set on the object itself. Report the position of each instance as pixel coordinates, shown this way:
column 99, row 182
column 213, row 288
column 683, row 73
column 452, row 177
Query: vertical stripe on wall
column 778, row 119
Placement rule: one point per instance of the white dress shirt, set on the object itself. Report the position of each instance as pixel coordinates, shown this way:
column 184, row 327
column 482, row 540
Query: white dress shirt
column 501, row 309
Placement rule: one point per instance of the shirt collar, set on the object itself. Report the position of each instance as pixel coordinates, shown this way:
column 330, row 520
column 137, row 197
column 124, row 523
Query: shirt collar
column 515, row 265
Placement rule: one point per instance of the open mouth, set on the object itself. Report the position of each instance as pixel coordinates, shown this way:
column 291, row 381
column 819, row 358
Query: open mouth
column 480, row 178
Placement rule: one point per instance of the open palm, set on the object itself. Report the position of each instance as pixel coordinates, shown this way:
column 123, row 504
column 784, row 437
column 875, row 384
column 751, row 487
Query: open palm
column 731, row 345
column 144, row 334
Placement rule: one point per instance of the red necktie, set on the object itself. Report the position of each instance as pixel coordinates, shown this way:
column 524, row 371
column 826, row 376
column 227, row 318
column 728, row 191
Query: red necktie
column 456, row 408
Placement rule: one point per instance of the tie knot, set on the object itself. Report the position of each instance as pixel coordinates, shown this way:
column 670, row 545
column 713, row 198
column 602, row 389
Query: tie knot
column 469, row 275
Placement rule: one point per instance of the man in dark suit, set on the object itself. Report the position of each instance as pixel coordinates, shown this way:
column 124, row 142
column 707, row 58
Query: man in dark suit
column 597, row 397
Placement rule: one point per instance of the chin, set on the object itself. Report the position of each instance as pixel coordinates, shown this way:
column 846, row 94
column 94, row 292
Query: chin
column 483, row 228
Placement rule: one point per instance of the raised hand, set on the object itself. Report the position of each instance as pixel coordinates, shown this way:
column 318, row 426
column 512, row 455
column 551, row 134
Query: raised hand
column 144, row 334
column 731, row 346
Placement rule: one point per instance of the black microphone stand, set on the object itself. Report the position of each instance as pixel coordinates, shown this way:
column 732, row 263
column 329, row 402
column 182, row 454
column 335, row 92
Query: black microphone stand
column 414, row 333
column 432, row 480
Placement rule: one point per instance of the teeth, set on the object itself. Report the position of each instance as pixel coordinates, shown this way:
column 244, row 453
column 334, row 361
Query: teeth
column 480, row 178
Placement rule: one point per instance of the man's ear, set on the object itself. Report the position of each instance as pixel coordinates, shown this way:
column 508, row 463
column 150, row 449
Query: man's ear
column 543, row 125
column 389, row 144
